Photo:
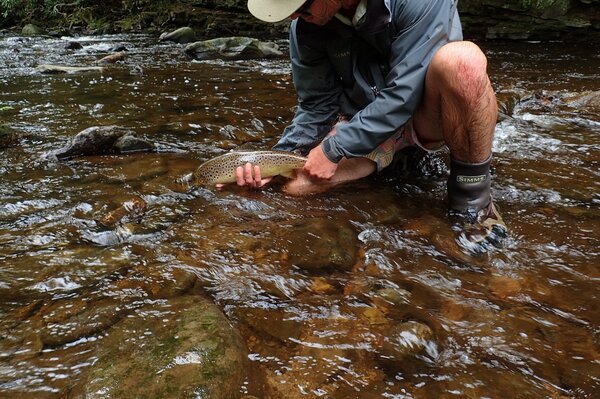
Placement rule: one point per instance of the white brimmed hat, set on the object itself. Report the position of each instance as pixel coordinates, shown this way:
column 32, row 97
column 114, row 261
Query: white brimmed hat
column 273, row 10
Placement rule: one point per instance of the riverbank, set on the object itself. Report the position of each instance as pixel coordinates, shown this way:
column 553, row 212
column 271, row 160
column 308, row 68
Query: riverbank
column 550, row 20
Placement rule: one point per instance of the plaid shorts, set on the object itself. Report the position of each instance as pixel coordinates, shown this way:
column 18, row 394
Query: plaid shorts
column 404, row 137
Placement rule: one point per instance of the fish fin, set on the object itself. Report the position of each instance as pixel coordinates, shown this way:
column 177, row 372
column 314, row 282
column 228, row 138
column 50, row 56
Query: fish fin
column 246, row 147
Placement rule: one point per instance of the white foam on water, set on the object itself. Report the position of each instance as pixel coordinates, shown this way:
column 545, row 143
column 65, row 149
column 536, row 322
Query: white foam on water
column 56, row 284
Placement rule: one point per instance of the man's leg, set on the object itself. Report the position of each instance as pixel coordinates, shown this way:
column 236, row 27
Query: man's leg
column 459, row 107
column 348, row 170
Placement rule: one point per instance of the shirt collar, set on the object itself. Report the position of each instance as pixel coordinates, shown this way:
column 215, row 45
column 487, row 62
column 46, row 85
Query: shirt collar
column 360, row 12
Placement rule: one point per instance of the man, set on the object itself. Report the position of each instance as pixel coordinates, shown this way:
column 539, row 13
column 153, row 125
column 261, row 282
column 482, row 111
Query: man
column 375, row 76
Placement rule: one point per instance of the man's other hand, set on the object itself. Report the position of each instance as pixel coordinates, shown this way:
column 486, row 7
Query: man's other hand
column 318, row 165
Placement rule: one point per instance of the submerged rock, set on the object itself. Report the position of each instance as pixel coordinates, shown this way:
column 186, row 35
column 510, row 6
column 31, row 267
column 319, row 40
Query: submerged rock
column 405, row 340
column 232, row 48
column 98, row 140
column 388, row 299
column 181, row 35
column 316, row 244
column 282, row 326
column 53, row 323
column 194, row 353
column 7, row 136
column 131, row 209
column 332, row 349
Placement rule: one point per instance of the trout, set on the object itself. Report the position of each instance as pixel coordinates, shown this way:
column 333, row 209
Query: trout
column 272, row 163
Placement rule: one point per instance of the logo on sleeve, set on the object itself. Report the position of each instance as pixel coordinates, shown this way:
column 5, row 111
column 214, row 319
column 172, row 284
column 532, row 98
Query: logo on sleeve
column 342, row 54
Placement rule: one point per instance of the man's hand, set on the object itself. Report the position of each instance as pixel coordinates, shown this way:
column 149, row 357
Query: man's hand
column 249, row 176
column 318, row 165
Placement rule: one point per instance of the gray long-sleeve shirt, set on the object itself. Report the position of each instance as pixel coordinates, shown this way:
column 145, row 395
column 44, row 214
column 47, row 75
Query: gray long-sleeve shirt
column 373, row 72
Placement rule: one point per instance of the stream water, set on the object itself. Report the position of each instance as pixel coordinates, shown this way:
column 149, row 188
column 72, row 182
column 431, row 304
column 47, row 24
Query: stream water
column 520, row 322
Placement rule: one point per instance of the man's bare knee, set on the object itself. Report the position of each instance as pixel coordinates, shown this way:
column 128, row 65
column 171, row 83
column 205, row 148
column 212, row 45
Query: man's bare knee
column 457, row 55
column 460, row 69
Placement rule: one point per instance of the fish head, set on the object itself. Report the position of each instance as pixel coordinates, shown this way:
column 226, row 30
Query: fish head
column 199, row 178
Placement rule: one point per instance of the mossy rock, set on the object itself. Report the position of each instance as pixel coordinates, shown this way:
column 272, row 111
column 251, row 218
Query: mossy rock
column 185, row 348
column 232, row 48
column 32, row 30
column 181, row 35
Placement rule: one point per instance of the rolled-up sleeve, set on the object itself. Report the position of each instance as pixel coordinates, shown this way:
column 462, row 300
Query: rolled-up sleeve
column 419, row 29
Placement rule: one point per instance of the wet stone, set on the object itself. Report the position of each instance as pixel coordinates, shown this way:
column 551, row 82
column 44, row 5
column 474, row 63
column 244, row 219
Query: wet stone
column 317, row 244
column 504, row 286
column 181, row 35
column 373, row 316
column 453, row 310
column 187, row 350
column 588, row 99
column 91, row 141
column 27, row 311
column 88, row 322
column 277, row 325
column 99, row 140
column 118, row 48
column 449, row 246
column 52, row 324
column 73, row 46
column 320, row 285
column 129, row 144
column 7, row 136
column 391, row 298
column 587, row 102
column 422, row 226
column 232, row 48
column 323, row 360
column 63, row 321
column 159, row 283
column 358, row 287
column 130, row 210
column 405, row 340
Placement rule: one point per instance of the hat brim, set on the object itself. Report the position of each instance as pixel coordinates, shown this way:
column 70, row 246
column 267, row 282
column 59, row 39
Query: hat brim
column 273, row 10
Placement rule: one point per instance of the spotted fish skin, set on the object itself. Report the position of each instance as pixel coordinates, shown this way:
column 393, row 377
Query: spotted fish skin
column 221, row 170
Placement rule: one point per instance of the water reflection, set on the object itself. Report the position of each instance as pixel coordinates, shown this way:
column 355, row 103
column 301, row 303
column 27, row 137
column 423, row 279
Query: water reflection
column 361, row 292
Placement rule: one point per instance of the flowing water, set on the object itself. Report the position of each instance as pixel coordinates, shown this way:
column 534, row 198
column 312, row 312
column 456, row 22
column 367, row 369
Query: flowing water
column 323, row 289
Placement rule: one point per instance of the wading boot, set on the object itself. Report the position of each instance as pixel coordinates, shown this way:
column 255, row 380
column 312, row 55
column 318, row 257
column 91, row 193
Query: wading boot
column 472, row 208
